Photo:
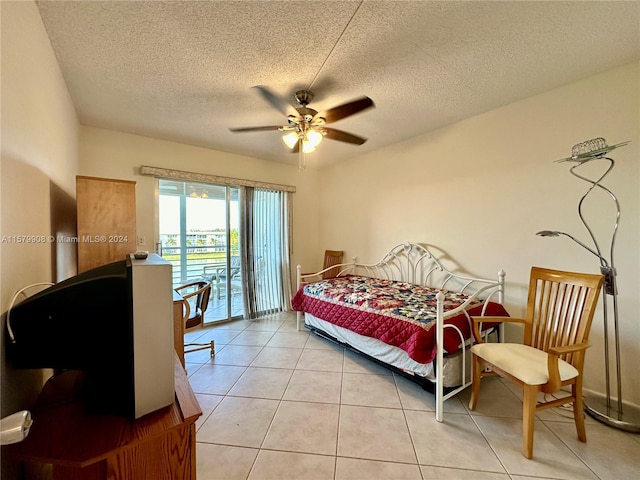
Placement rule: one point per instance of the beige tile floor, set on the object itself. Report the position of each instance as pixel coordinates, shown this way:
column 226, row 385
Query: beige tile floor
column 281, row 404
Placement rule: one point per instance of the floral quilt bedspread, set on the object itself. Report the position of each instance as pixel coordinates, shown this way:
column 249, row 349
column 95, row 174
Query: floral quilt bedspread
column 397, row 313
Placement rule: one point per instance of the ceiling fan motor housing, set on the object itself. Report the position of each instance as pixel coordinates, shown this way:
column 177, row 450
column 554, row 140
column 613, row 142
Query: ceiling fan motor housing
column 304, row 97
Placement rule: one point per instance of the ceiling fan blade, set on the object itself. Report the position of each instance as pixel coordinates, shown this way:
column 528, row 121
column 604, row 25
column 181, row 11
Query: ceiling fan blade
column 341, row 136
column 275, row 101
column 256, row 129
column 347, row 109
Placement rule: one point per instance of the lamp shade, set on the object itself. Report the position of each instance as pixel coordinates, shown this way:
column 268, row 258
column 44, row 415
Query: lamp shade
column 313, row 137
column 290, row 139
column 307, row 147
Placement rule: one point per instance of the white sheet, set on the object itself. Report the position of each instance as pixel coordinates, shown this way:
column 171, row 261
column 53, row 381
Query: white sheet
column 393, row 355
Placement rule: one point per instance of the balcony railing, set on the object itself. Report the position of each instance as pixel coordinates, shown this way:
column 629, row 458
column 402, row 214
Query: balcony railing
column 197, row 258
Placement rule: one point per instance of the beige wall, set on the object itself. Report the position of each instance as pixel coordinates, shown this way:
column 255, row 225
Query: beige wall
column 105, row 153
column 480, row 189
column 477, row 190
column 38, row 167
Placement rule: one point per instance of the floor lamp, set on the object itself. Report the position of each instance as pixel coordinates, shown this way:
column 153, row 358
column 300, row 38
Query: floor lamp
column 623, row 417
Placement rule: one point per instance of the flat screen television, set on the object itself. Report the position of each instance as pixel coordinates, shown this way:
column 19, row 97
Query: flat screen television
column 113, row 323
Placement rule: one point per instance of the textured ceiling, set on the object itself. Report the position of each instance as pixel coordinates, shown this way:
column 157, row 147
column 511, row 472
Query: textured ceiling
column 183, row 71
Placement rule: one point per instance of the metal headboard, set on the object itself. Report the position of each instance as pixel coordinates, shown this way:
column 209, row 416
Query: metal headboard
column 413, row 263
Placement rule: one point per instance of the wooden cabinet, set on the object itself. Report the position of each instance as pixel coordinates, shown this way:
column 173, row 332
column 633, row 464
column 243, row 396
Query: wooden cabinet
column 106, row 211
column 74, row 445
column 178, row 326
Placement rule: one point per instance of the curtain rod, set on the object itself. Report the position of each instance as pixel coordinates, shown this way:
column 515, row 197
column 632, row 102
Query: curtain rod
column 208, row 178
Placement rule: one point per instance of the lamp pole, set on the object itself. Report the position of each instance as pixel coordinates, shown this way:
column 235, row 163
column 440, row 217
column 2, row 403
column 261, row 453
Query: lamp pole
column 624, row 417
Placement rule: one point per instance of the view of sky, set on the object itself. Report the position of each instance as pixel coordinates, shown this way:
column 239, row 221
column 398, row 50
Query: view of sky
column 203, row 214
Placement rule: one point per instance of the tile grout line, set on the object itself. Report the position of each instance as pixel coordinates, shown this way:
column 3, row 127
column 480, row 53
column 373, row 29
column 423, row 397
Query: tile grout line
column 406, row 422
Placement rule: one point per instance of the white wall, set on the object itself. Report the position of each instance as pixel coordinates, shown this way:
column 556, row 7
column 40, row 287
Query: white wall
column 38, row 167
column 482, row 188
column 109, row 154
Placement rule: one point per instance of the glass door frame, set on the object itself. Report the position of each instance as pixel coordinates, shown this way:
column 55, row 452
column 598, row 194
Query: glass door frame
column 184, row 247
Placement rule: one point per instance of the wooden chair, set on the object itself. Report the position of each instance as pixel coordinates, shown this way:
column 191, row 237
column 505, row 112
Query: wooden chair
column 560, row 308
column 195, row 296
column 331, row 258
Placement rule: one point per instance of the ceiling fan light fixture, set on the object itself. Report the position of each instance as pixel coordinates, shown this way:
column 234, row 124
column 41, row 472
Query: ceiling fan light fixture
column 196, row 194
column 313, row 138
column 308, row 147
column 290, row 139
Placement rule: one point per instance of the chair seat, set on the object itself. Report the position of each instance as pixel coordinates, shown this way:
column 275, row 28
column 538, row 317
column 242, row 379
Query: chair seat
column 527, row 364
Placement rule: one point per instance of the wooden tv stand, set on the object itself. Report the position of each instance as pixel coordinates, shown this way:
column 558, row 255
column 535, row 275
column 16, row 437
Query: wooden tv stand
column 160, row 445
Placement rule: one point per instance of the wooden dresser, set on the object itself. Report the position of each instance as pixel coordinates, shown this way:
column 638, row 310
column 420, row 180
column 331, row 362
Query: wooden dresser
column 67, row 444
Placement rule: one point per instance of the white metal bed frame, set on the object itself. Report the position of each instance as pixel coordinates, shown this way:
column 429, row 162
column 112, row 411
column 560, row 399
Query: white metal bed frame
column 413, row 263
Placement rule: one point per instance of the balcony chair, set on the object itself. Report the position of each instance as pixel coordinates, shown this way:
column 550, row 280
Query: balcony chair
column 560, row 308
column 217, row 275
column 195, row 297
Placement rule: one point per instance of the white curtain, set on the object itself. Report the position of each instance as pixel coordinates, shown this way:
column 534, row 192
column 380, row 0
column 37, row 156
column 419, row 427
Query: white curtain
column 265, row 251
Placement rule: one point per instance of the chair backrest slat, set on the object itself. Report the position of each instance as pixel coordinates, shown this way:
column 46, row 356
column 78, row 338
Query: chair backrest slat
column 560, row 308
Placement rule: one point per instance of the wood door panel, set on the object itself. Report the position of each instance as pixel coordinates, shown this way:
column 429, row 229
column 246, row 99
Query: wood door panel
column 106, row 220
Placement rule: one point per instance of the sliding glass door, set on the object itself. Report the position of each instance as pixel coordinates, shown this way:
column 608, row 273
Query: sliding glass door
column 235, row 237
column 199, row 234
